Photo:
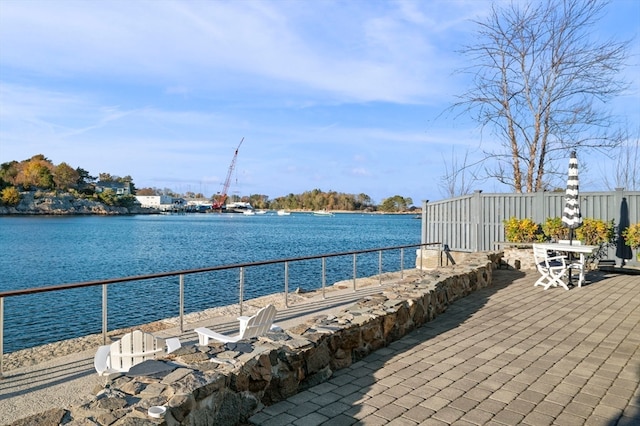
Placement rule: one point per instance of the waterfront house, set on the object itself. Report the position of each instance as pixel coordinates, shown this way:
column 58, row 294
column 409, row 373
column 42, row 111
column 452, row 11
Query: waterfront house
column 119, row 188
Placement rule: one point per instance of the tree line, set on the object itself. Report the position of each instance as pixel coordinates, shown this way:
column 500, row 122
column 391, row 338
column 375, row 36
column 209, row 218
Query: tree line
column 39, row 173
column 315, row 199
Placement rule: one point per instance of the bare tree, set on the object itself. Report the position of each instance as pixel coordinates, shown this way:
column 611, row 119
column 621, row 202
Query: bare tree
column 458, row 178
column 627, row 165
column 540, row 84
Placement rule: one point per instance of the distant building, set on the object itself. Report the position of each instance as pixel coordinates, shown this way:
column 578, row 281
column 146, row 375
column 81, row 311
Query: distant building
column 119, row 188
column 162, row 202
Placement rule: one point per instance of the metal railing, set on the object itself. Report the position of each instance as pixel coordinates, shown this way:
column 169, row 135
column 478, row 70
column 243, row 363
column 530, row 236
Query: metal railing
column 181, row 276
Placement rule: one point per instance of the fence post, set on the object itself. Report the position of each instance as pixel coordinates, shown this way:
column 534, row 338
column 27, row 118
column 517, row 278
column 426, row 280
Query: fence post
column 380, row 267
column 104, row 314
column 241, row 289
column 324, row 276
column 477, row 236
column 540, row 206
column 355, row 274
column 401, row 263
column 181, row 303
column 286, row 284
column 424, row 226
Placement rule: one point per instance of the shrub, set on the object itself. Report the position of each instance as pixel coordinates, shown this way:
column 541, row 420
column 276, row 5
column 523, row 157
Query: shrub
column 554, row 229
column 10, row 196
column 596, row 232
column 632, row 235
column 522, row 230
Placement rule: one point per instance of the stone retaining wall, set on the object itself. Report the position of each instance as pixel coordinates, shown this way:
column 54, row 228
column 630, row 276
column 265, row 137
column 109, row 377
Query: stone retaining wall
column 226, row 384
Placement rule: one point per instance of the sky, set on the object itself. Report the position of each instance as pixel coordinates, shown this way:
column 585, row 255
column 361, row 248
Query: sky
column 348, row 96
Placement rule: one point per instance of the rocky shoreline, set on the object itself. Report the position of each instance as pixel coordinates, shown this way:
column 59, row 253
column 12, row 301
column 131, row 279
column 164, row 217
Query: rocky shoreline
column 36, row 203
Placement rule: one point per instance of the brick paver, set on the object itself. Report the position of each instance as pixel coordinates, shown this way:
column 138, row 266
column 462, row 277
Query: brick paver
column 511, row 354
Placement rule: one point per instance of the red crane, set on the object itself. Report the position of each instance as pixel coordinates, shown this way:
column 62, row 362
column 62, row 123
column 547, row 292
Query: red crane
column 222, row 197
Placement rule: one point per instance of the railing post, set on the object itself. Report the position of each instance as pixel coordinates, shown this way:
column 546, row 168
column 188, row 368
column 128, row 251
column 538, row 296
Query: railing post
column 380, row 268
column 1, row 335
column 104, row 314
column 324, row 276
column 421, row 256
column 355, row 274
column 286, row 284
column 401, row 263
column 439, row 255
column 241, row 289
column 181, row 303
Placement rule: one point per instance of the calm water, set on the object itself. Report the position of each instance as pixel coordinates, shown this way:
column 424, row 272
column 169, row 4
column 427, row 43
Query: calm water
column 43, row 251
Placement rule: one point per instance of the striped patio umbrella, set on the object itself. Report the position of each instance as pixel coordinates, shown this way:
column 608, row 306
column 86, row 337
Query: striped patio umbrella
column 571, row 217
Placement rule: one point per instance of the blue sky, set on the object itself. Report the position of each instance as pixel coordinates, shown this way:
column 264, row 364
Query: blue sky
column 335, row 95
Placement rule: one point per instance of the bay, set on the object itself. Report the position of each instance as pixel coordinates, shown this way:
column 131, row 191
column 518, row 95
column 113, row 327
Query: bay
column 43, row 251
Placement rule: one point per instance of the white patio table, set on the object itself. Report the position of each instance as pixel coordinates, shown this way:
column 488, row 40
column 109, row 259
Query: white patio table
column 582, row 250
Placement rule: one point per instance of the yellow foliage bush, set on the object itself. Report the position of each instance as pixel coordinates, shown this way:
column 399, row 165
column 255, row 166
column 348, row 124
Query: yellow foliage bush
column 632, row 235
column 10, row 196
column 554, row 229
column 522, row 231
column 596, row 232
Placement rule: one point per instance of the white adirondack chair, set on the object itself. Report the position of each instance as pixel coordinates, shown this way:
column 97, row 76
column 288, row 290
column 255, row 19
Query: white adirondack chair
column 131, row 349
column 552, row 268
column 250, row 327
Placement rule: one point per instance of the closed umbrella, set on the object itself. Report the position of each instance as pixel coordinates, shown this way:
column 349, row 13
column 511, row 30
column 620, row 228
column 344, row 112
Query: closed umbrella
column 571, row 217
column 623, row 251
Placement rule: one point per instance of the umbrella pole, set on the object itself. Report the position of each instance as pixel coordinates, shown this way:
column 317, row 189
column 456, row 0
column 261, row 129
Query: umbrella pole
column 570, row 256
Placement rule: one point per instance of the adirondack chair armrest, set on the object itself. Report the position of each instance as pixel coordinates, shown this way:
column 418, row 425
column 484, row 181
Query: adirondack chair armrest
column 244, row 320
column 204, row 334
column 173, row 344
column 101, row 360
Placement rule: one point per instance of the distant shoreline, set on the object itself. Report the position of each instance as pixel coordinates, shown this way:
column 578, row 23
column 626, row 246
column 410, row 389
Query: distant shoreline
column 35, row 203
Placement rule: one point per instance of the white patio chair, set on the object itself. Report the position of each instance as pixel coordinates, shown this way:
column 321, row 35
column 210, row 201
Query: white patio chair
column 574, row 263
column 552, row 268
column 133, row 348
column 250, row 327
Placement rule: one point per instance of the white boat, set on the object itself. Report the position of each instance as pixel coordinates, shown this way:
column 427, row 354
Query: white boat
column 238, row 207
column 322, row 213
column 261, row 211
column 283, row 213
column 249, row 213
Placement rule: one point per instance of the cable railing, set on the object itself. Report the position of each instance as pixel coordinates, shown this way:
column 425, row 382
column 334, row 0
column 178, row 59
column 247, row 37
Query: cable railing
column 241, row 267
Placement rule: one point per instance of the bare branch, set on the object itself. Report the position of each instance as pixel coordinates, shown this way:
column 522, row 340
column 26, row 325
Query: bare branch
column 541, row 84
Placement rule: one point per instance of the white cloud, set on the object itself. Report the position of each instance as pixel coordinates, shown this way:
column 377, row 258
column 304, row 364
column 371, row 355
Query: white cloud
column 342, row 95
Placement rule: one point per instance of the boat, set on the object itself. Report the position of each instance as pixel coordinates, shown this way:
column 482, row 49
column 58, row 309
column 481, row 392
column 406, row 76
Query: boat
column 249, row 213
column 261, row 211
column 238, row 207
column 283, row 213
column 322, row 213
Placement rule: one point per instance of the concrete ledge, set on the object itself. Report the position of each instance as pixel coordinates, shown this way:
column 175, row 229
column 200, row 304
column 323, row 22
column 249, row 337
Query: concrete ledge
column 225, row 384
